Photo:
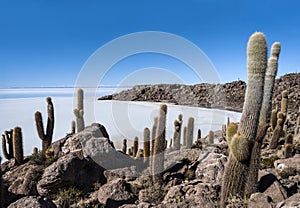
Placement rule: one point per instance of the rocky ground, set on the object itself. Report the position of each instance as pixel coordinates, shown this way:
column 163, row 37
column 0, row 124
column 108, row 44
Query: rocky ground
column 85, row 170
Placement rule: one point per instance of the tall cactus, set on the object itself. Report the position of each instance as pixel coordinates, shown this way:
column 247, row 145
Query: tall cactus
column 273, row 120
column 46, row 138
column 79, row 111
column 237, row 167
column 177, row 132
column 7, row 138
column 190, row 133
column 264, row 118
column 18, row 145
column 288, row 146
column 158, row 161
column 146, row 145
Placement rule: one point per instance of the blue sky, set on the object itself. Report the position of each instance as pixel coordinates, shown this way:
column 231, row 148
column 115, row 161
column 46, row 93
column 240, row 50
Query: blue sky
column 47, row 42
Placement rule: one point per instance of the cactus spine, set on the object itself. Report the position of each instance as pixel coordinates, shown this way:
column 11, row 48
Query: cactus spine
column 7, row 138
column 146, row 145
column 264, row 118
column 135, row 146
column 177, row 132
column 288, row 146
column 18, row 145
column 237, row 167
column 190, row 133
column 46, row 138
column 124, row 147
column 158, row 161
column 78, row 112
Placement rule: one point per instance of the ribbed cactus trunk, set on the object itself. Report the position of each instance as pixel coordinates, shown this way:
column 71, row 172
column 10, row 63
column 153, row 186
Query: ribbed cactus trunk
column 264, row 119
column 177, row 133
column 159, row 146
column 146, row 146
column 273, row 120
column 190, row 133
column 73, row 127
column 79, row 111
column 152, row 143
column 237, row 167
column 18, row 145
column 277, row 133
column 7, row 139
column 45, row 137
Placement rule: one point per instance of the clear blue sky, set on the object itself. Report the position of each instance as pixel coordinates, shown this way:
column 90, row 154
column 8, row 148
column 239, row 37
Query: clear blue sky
column 46, row 42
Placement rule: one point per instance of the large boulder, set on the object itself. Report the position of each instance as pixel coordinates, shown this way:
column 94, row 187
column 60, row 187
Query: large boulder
column 32, row 201
column 115, row 194
column 260, row 200
column 70, row 170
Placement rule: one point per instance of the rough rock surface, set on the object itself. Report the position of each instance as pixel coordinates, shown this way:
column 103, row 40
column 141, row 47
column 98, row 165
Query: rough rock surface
column 32, row 201
column 70, row 170
column 115, row 193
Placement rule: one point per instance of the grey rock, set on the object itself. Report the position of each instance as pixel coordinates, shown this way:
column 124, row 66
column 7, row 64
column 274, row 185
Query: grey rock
column 291, row 202
column 33, row 202
column 115, row 193
column 259, row 200
column 69, row 170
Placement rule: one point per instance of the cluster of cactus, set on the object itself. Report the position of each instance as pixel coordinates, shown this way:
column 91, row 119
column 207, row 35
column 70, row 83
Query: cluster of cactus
column 159, row 145
column 242, row 167
column 78, row 112
column 15, row 145
column 45, row 137
column 278, row 131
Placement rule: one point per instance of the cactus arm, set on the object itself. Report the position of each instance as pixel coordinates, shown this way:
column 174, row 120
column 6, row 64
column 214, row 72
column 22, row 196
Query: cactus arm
column 40, row 125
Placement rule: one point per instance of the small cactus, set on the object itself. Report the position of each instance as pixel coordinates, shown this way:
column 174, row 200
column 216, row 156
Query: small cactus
column 7, row 138
column 73, row 127
column 159, row 146
column 130, row 153
column 273, row 119
column 177, row 132
column 184, row 136
column 198, row 134
column 190, row 133
column 146, row 145
column 284, row 102
column 135, row 147
column 18, row 145
column 45, row 137
column 79, row 111
column 277, row 133
column 288, row 146
column 35, row 151
column 124, row 147
column 211, row 137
